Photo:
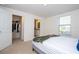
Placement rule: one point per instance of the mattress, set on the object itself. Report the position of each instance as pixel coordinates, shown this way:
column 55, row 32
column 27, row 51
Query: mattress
column 57, row 45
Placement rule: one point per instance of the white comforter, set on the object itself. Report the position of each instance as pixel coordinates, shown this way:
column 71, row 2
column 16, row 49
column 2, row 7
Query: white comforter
column 62, row 44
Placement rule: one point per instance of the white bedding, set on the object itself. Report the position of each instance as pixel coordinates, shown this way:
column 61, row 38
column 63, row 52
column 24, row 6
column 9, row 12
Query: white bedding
column 62, row 44
column 44, row 49
column 58, row 45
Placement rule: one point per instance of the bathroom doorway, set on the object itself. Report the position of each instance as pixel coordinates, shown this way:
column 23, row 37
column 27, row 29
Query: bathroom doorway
column 36, row 27
column 16, row 27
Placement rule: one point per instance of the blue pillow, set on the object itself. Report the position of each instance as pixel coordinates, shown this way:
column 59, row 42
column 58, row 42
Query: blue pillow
column 78, row 45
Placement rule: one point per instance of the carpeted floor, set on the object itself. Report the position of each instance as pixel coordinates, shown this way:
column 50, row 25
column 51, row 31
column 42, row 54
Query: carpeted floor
column 19, row 47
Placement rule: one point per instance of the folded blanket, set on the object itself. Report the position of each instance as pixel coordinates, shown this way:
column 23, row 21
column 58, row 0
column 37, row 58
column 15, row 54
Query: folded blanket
column 43, row 38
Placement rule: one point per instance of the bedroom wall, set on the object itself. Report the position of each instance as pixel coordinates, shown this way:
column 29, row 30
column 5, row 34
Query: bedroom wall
column 27, row 26
column 42, row 26
column 27, row 23
column 5, row 28
column 52, row 22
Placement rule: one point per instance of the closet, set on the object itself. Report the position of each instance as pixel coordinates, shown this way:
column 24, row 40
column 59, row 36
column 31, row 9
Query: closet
column 16, row 27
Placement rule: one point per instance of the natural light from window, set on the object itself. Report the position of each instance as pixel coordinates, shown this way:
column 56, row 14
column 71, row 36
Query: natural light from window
column 65, row 25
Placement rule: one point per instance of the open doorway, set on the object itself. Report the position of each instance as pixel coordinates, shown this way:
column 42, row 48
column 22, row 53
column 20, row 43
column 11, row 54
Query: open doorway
column 36, row 27
column 16, row 27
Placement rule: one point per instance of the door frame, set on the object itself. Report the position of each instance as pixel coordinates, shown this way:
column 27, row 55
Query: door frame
column 36, row 26
column 20, row 25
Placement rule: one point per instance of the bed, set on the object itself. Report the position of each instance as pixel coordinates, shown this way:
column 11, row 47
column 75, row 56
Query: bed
column 56, row 45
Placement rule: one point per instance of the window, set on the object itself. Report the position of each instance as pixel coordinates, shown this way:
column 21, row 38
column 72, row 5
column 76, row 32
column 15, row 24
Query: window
column 65, row 25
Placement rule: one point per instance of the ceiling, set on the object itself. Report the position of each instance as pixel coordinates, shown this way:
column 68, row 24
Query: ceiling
column 44, row 10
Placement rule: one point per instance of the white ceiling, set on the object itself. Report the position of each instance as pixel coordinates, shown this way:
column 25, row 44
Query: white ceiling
column 41, row 10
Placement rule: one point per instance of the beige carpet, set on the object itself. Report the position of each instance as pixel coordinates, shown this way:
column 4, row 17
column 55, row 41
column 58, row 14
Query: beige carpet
column 19, row 47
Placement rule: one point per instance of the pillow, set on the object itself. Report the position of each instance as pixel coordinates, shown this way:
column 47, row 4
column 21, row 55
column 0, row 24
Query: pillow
column 78, row 45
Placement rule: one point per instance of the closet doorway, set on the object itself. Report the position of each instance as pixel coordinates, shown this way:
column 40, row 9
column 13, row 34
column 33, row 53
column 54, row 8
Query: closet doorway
column 16, row 27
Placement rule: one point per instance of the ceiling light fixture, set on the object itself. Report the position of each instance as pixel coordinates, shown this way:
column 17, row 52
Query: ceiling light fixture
column 45, row 4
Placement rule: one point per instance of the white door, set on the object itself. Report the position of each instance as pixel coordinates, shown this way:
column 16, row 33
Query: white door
column 5, row 29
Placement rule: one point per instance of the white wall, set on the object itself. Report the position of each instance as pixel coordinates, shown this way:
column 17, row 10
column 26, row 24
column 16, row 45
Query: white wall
column 5, row 28
column 27, row 23
column 27, row 26
column 42, row 26
column 53, row 21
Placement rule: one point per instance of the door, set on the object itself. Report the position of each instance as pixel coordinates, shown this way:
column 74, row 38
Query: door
column 5, row 29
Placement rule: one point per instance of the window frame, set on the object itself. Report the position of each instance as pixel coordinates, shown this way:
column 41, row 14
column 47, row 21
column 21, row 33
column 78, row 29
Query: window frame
column 64, row 33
